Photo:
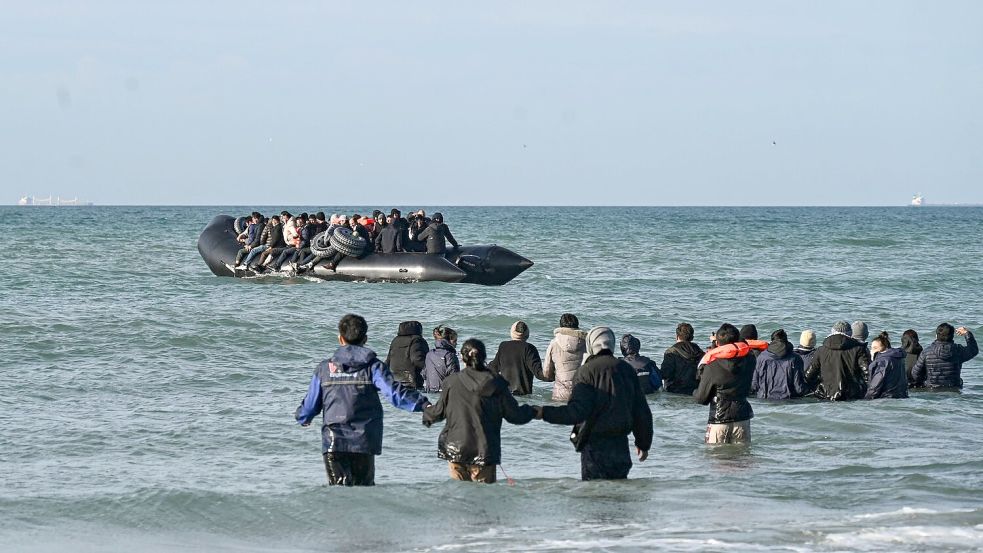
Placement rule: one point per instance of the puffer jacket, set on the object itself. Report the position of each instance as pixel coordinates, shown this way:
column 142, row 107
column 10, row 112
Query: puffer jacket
column 607, row 401
column 940, row 364
column 887, row 375
column 273, row 236
column 778, row 373
column 474, row 402
column 724, row 386
column 912, row 350
column 440, row 363
column 837, row 370
column 408, row 354
column 564, row 356
column 345, row 390
column 679, row 365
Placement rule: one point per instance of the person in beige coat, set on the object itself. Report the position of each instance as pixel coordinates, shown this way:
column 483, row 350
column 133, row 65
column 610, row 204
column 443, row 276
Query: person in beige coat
column 564, row 356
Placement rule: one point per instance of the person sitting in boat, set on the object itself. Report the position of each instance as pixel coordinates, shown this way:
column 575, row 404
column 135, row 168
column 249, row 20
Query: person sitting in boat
column 418, row 223
column 355, row 223
column 272, row 237
column 437, row 235
column 390, row 239
column 293, row 239
column 308, row 258
column 288, row 239
column 251, row 238
column 378, row 224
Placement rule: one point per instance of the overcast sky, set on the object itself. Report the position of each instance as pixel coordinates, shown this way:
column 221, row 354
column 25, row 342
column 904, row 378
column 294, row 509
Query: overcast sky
column 497, row 103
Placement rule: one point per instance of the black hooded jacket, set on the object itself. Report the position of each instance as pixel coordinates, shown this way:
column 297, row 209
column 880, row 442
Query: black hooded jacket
column 837, row 370
column 437, row 235
column 606, row 402
column 912, row 350
column 407, row 354
column 724, row 386
column 518, row 361
column 679, row 367
column 474, row 402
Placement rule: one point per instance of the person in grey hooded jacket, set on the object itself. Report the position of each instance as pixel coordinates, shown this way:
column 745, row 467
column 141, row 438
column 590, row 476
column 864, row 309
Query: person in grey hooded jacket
column 564, row 356
column 606, row 405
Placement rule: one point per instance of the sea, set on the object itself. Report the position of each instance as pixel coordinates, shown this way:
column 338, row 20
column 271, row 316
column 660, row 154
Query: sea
column 147, row 405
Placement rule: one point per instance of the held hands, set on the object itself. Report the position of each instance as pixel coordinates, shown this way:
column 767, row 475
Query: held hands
column 537, row 412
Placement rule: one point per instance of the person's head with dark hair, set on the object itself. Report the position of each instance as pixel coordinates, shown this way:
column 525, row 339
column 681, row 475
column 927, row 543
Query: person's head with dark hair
column 945, row 332
column 779, row 335
column 473, row 354
column 285, row 214
column 395, row 213
column 352, row 330
column 319, row 216
column 304, row 215
column 748, row 332
column 630, row 345
column 438, row 218
column 569, row 320
column 257, row 216
column 445, row 333
column 519, row 331
column 727, row 334
column 909, row 341
column 354, row 220
column 684, row 332
column 880, row 343
column 275, row 220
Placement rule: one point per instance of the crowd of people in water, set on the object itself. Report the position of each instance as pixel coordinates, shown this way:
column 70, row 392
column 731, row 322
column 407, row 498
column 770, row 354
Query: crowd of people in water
column 268, row 243
column 601, row 395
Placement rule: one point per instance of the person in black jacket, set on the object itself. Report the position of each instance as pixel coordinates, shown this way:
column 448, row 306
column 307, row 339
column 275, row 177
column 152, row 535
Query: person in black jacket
column 837, row 371
column 606, row 405
column 649, row 377
column 750, row 332
column 437, row 235
column 407, row 354
column 680, row 361
column 390, row 239
column 518, row 361
column 724, row 386
column 474, row 402
column 940, row 364
column 909, row 343
column 779, row 372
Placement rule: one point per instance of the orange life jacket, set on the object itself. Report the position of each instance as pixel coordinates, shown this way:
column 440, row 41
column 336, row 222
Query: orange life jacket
column 730, row 351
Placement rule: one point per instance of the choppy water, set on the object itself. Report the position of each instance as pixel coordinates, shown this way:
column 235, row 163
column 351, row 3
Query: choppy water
column 147, row 404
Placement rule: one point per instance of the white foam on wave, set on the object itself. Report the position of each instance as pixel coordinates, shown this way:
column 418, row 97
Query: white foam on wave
column 891, row 538
column 909, row 511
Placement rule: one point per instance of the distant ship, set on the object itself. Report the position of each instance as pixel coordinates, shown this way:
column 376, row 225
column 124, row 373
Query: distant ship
column 49, row 201
column 917, row 201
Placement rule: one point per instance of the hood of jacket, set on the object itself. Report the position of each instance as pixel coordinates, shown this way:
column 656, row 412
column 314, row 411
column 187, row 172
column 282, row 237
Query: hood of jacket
column 440, row 343
column 891, row 353
column 570, row 339
column 600, row 338
column 911, row 345
column 780, row 349
column 841, row 342
column 688, row 350
column 478, row 381
column 410, row 328
column 945, row 351
column 349, row 359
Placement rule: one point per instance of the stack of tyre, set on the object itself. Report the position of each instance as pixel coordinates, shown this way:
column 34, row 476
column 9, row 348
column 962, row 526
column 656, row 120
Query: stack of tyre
column 342, row 240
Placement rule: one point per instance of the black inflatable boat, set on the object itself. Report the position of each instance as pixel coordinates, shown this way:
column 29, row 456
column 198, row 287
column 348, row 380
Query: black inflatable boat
column 490, row 265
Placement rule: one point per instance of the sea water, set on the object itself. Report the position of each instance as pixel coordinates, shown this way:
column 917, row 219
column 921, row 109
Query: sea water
column 147, row 405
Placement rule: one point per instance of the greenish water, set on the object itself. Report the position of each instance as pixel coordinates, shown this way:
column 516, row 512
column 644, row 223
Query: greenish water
column 147, row 404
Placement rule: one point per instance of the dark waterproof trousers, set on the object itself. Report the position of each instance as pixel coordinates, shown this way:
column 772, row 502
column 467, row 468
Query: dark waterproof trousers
column 605, row 458
column 350, row 469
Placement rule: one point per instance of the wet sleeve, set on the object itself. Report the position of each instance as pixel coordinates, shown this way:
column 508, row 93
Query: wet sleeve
column 668, row 367
column 399, row 241
column 972, row 349
column 705, row 392
column 549, row 368
column 875, row 389
column 918, row 373
column 798, row 378
column 641, row 416
column 400, row 396
column 450, row 237
column 655, row 376
column 418, row 353
column 511, row 410
column 311, row 405
column 813, row 371
column 435, row 413
column 576, row 411
column 533, row 362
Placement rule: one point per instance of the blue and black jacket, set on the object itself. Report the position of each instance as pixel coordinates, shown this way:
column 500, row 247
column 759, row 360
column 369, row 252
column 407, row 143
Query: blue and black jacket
column 345, row 390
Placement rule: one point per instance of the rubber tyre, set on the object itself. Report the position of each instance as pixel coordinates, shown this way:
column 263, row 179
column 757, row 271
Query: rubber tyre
column 348, row 243
column 240, row 225
column 321, row 245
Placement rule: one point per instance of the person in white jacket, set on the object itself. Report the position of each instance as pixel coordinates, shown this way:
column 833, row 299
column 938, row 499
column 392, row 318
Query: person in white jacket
column 564, row 356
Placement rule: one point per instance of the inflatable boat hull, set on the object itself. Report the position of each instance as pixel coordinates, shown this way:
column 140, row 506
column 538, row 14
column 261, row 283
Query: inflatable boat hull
column 489, row 265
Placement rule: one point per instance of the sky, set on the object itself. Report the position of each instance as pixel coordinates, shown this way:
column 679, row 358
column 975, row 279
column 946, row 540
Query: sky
column 494, row 103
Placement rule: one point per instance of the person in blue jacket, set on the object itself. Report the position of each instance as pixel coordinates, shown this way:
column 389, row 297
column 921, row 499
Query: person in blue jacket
column 345, row 390
column 887, row 373
column 779, row 373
